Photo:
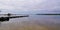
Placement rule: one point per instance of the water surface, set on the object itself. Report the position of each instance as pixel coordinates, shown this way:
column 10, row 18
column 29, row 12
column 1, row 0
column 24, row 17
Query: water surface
column 33, row 22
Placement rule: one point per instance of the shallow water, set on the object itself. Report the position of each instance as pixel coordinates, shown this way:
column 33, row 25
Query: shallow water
column 33, row 22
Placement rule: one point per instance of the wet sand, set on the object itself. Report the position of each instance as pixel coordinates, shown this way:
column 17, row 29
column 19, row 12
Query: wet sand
column 29, row 23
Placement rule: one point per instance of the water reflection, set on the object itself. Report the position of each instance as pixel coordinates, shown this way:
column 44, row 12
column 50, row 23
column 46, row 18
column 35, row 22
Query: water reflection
column 33, row 22
column 0, row 23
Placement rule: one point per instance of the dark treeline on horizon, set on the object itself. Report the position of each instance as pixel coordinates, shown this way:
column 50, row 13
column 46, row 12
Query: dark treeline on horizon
column 47, row 14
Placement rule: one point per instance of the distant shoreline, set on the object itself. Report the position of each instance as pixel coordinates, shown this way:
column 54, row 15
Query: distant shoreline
column 47, row 14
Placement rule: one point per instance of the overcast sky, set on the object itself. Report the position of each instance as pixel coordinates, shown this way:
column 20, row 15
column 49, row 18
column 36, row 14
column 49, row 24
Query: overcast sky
column 31, row 6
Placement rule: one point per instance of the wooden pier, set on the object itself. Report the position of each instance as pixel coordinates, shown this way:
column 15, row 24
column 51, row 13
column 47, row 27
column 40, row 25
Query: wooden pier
column 10, row 17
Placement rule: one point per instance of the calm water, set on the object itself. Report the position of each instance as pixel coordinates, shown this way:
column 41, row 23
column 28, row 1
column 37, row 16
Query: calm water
column 43, row 20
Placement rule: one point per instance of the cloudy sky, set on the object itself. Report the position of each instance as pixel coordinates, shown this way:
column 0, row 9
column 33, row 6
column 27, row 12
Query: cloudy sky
column 30, row 6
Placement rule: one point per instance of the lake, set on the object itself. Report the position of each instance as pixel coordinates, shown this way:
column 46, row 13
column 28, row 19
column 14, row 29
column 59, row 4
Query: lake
column 33, row 22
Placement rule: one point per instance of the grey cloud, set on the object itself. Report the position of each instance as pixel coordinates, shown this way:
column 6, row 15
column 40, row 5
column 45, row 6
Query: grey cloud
column 31, row 5
column 20, row 4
